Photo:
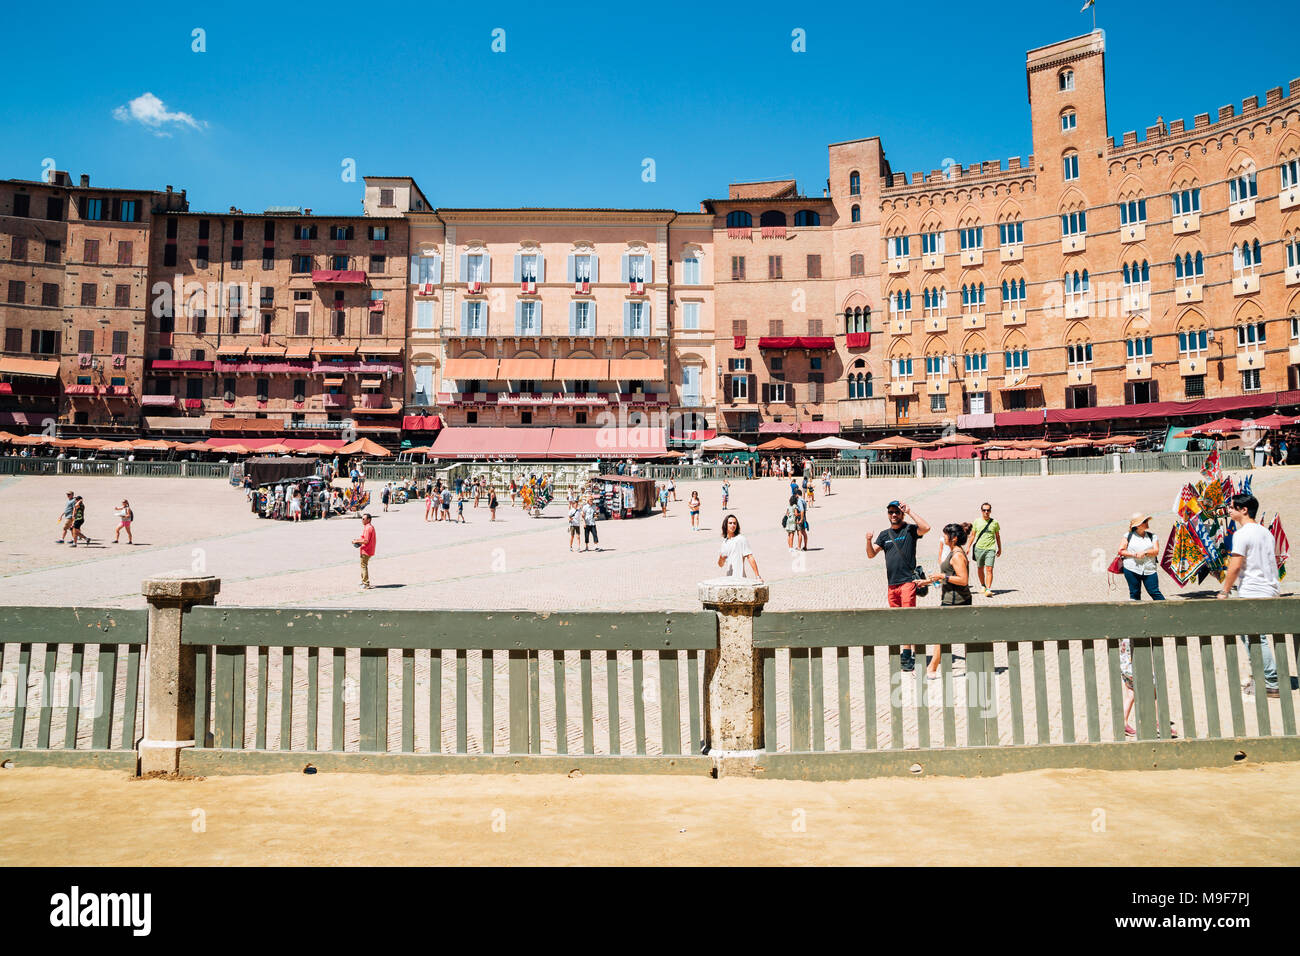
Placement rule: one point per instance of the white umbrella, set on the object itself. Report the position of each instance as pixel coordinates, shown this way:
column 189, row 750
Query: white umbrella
column 723, row 443
column 832, row 441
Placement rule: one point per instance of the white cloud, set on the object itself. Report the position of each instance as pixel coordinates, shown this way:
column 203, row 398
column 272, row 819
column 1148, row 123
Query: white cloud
column 149, row 111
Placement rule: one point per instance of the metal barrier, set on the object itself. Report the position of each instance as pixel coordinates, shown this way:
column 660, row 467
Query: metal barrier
column 949, row 467
column 1011, row 467
column 1092, row 465
column 207, row 469
column 891, row 469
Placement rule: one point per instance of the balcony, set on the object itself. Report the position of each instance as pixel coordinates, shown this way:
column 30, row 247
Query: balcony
column 1189, row 293
column 158, row 401
column 1018, row 317
column 972, row 320
column 1078, row 375
column 1243, row 211
column 1138, row 370
column 971, row 258
column 336, row 401
column 1187, row 222
column 1133, row 232
column 1245, row 284
column 932, row 261
column 372, row 400
column 900, row 267
column 900, row 326
column 936, row 323
column 1193, row 365
column 1073, row 244
column 1014, row 253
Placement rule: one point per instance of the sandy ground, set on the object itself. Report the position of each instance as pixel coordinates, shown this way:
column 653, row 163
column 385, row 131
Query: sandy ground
column 1223, row 817
column 1059, row 534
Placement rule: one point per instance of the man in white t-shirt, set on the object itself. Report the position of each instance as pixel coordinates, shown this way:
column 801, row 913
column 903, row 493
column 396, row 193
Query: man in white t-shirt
column 1253, row 568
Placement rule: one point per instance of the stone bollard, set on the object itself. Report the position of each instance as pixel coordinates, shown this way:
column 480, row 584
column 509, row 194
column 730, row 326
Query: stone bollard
column 185, row 469
column 733, row 676
column 121, row 466
column 1115, row 465
column 862, row 468
column 920, row 467
column 169, row 668
column 1042, row 466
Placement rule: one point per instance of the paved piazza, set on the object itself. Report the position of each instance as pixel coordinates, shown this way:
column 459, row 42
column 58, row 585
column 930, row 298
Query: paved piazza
column 1058, row 534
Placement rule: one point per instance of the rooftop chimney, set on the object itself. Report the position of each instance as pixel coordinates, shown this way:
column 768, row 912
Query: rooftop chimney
column 169, row 189
column 306, row 212
column 85, row 179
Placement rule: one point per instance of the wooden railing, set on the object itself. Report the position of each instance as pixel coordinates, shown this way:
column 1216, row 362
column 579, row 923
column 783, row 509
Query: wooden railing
column 1040, row 686
column 283, row 688
column 77, row 700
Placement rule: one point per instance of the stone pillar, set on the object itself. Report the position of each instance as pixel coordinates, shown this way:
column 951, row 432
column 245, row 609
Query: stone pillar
column 1042, row 466
column 185, row 469
column 862, row 468
column 169, row 668
column 733, row 675
column 920, row 467
column 121, row 466
column 1115, row 466
column 979, row 467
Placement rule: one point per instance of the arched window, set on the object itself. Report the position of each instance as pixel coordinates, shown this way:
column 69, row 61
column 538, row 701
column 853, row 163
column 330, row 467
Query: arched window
column 1189, row 268
column 859, row 380
column 972, row 297
column 773, row 217
column 1013, row 291
column 1070, row 164
column 806, row 217
column 1069, row 120
column 1245, row 257
column 857, row 319
column 1076, row 283
column 934, row 301
column 977, row 362
column 855, row 184
column 1137, row 274
column 1065, row 80
column 739, row 219
column 855, row 214
column 901, row 301
column 857, row 264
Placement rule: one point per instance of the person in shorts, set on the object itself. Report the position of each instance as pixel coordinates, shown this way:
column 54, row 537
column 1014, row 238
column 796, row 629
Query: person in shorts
column 986, row 546
column 124, row 519
column 898, row 544
column 65, row 528
column 78, row 519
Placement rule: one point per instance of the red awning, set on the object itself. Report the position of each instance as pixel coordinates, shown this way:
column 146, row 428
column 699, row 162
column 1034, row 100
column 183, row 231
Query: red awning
column 606, row 442
column 1032, row 417
column 492, row 442
column 263, row 425
column 700, row 434
column 778, row 428
column 159, row 365
column 819, row 428
column 421, row 423
column 796, row 342
column 1203, row 406
column 858, row 340
column 338, row 276
column 253, row 444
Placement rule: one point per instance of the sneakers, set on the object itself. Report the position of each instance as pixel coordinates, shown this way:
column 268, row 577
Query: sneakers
column 1272, row 692
column 988, row 592
column 908, row 661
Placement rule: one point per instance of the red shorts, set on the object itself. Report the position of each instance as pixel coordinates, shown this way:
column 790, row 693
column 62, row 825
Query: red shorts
column 902, row 595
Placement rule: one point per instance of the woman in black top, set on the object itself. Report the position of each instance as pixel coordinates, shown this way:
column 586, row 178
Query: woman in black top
column 954, row 575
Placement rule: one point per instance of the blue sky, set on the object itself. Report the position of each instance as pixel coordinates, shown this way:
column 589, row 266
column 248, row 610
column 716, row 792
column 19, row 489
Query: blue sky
column 580, row 97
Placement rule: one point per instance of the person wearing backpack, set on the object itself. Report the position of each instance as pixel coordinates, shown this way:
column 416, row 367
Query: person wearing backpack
column 791, row 522
column 125, row 517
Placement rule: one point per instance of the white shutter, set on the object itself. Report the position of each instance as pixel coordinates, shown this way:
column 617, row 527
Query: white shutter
column 519, row 317
column 519, row 272
column 570, row 273
column 464, row 318
column 487, row 267
column 627, row 311
column 415, row 269
column 649, row 272
column 573, row 313
column 595, row 269
column 464, row 267
column 623, row 270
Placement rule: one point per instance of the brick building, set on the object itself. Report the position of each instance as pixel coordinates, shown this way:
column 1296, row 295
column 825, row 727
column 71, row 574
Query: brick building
column 555, row 317
column 74, row 270
column 277, row 324
column 1099, row 281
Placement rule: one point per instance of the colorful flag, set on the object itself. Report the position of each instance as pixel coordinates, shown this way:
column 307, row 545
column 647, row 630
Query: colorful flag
column 1211, row 467
column 1281, row 546
column 1187, row 555
column 1187, row 504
